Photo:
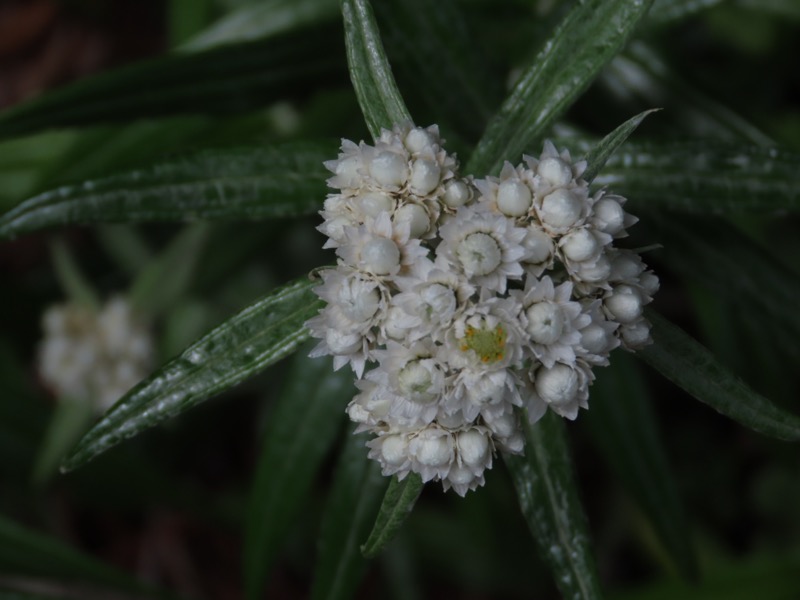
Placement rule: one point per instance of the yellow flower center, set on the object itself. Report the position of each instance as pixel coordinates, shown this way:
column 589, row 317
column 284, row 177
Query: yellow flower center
column 488, row 344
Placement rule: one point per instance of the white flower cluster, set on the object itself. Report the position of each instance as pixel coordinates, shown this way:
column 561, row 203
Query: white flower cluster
column 94, row 356
column 474, row 297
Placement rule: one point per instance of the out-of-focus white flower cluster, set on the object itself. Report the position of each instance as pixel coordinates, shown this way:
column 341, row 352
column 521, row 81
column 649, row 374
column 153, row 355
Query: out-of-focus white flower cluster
column 94, row 356
column 474, row 297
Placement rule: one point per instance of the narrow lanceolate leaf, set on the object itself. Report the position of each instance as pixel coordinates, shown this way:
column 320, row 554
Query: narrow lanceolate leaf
column 302, row 427
column 370, row 72
column 591, row 34
column 228, row 79
column 622, row 422
column 30, row 554
column 670, row 11
column 259, row 20
column 548, row 497
column 397, row 505
column 690, row 366
column 707, row 177
column 242, row 183
column 242, row 346
column 352, row 504
column 597, row 157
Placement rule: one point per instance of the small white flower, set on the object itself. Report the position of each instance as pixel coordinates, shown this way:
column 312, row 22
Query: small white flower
column 608, row 215
column 486, row 247
column 379, row 248
column 486, row 336
column 540, row 251
column 432, row 452
column 564, row 388
column 457, row 192
column 551, row 319
column 94, row 356
column 624, row 304
column 506, row 431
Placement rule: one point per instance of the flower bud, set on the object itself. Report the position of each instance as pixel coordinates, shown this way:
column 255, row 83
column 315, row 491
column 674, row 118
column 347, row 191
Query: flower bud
column 596, row 340
column 579, row 245
column 342, row 343
column 374, row 203
column 380, row 256
column 347, row 172
column 555, row 171
column 416, row 217
column 538, row 245
column 434, row 451
column 456, row 193
column 389, row 169
column 624, row 304
column 561, row 209
column 418, row 140
column 415, row 382
column 635, row 335
column 394, row 449
column 479, row 254
column 609, row 216
column 513, row 198
column 557, row 385
column 473, row 447
column 425, row 176
column 545, row 322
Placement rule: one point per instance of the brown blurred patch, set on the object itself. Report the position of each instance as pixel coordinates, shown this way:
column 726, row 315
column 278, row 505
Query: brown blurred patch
column 44, row 44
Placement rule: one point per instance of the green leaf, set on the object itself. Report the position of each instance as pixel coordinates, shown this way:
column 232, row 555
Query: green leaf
column 396, row 506
column 623, row 424
column 349, row 513
column 69, row 421
column 671, row 11
column 23, row 552
column 104, row 149
column 72, row 280
column 241, row 183
column 639, row 73
column 24, row 160
column 166, row 279
column 548, row 497
column 705, row 177
column 370, row 72
column 434, row 51
column 600, row 153
column 259, row 20
column 691, row 367
column 302, row 427
column 228, row 79
column 242, row 346
column 591, row 34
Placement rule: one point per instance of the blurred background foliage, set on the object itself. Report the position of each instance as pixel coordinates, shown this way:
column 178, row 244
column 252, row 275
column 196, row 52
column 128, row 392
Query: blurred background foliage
column 169, row 513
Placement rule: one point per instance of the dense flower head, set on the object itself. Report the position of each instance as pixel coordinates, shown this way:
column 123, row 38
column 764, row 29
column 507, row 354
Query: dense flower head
column 94, row 356
column 461, row 302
